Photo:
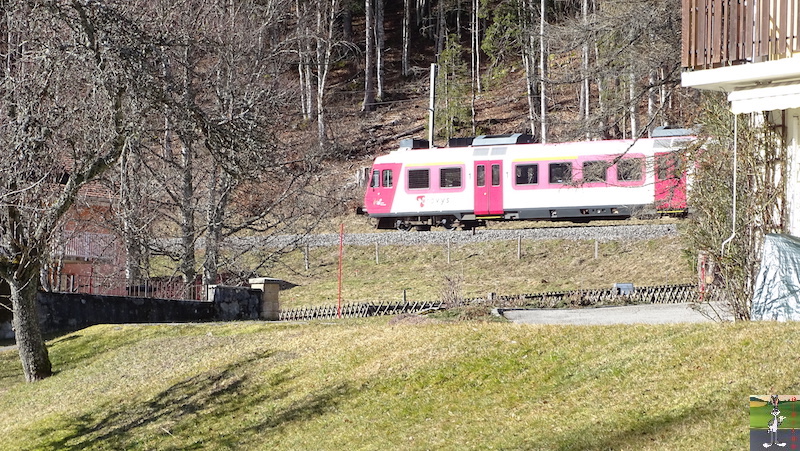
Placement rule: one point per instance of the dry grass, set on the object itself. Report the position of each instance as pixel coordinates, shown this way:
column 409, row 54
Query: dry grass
column 372, row 385
column 482, row 268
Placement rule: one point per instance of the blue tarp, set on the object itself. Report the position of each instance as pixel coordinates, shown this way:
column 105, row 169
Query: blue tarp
column 776, row 295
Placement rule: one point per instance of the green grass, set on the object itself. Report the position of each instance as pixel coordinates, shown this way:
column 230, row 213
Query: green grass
column 549, row 265
column 379, row 384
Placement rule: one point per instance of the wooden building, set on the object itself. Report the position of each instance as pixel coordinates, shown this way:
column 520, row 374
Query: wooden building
column 750, row 50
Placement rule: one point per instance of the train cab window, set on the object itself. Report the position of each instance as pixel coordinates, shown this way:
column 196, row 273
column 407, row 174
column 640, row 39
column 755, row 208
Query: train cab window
column 376, row 179
column 594, row 171
column 630, row 169
column 669, row 166
column 387, row 178
column 480, row 175
column 527, row 174
column 419, row 178
column 560, row 173
column 495, row 175
column 450, row 178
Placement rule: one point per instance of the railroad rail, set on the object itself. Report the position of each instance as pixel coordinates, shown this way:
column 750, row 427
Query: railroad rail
column 660, row 294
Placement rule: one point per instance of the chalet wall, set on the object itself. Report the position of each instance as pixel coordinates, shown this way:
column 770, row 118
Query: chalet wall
column 66, row 312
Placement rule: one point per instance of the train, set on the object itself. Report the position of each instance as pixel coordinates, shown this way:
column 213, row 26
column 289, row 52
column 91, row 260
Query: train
column 509, row 178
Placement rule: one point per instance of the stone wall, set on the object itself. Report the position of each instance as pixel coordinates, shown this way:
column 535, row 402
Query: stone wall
column 65, row 312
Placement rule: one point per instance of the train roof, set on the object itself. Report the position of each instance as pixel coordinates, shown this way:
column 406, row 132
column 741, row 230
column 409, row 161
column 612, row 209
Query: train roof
column 556, row 150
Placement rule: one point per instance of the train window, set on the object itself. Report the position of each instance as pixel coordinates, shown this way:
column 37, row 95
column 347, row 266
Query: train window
column 387, row 178
column 419, row 178
column 669, row 166
column 450, row 177
column 527, row 174
column 376, row 179
column 560, row 172
column 594, row 171
column 495, row 175
column 480, row 175
column 630, row 169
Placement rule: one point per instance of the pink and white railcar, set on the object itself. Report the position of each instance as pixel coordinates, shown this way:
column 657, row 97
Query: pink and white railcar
column 504, row 177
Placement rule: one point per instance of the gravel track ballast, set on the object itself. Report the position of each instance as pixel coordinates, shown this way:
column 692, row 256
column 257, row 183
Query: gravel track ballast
column 412, row 238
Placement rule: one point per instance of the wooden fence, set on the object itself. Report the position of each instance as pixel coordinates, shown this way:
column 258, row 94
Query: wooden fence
column 662, row 294
column 724, row 32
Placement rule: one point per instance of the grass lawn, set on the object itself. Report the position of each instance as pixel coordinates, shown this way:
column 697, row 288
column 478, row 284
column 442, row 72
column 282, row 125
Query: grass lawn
column 480, row 268
column 382, row 384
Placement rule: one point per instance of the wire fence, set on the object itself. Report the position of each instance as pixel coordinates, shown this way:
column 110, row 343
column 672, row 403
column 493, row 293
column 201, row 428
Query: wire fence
column 661, row 294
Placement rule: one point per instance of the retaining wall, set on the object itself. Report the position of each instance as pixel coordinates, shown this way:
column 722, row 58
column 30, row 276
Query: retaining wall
column 66, row 312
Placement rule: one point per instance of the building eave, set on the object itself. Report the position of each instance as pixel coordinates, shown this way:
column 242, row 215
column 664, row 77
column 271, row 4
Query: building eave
column 731, row 78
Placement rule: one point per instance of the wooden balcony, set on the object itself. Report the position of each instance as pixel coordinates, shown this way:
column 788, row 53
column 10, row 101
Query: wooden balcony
column 718, row 33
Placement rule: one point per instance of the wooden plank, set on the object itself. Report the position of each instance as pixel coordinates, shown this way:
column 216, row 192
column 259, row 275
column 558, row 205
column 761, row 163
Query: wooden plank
column 715, row 16
column 764, row 28
column 748, row 30
column 686, row 33
column 733, row 30
column 796, row 18
column 701, row 44
column 725, row 6
column 783, row 28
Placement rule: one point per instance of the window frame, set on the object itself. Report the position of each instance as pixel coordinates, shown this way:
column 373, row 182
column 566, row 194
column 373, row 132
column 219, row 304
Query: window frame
column 443, row 177
column 630, row 160
column 569, row 173
column 519, row 176
column 387, row 183
column 427, row 171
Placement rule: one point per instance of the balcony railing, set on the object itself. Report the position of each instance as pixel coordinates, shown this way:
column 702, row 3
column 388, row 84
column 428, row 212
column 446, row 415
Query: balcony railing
column 727, row 32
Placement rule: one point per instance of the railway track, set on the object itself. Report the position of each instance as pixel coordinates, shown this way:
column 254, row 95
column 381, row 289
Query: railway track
column 572, row 232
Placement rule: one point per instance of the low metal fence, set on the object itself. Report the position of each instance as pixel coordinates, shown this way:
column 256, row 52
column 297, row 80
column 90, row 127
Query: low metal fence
column 661, row 294
column 357, row 310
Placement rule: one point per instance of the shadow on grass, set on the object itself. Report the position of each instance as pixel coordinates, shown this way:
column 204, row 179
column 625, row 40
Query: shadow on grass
column 649, row 430
column 214, row 410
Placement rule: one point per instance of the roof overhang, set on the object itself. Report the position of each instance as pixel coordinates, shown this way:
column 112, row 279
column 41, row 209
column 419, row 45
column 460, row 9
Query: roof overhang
column 752, row 87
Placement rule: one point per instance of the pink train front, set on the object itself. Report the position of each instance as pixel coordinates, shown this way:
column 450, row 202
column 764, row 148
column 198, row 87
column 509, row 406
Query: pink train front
column 504, row 177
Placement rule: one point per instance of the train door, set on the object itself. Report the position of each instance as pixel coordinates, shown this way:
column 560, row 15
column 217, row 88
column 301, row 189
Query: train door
column 488, row 187
column 670, row 183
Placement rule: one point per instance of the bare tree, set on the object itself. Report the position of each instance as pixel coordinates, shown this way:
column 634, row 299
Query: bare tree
column 369, row 56
column 71, row 74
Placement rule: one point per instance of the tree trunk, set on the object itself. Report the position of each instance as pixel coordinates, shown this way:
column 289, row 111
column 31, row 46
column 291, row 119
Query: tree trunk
column 542, row 71
column 379, row 47
column 529, row 52
column 633, row 106
column 187, row 259
column 32, row 349
column 219, row 188
column 585, row 86
column 369, row 55
column 406, row 63
column 347, row 23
